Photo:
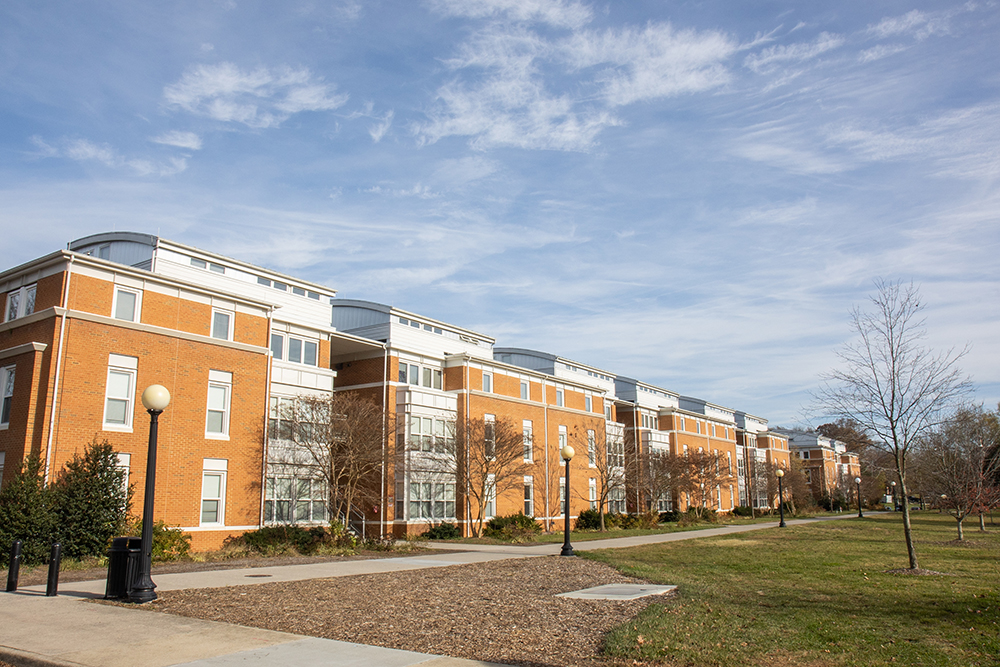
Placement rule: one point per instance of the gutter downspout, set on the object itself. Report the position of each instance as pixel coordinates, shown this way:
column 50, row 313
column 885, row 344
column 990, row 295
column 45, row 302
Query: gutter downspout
column 638, row 461
column 468, row 481
column 383, row 514
column 545, row 430
column 267, row 415
column 59, row 358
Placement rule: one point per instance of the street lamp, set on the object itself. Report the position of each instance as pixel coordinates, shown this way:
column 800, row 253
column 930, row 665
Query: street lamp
column 155, row 399
column 895, row 503
column 567, row 454
column 781, row 497
column 857, row 480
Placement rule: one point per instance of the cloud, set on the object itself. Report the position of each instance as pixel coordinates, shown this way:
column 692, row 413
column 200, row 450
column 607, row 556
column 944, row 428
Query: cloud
column 768, row 59
column 188, row 140
column 558, row 13
column 653, row 62
column 84, row 150
column 915, row 23
column 879, row 52
column 261, row 98
column 418, row 190
column 379, row 130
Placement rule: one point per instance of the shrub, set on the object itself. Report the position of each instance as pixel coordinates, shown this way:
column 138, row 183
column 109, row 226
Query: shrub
column 387, row 543
column 613, row 520
column 272, row 540
column 169, row 542
column 670, row 516
column 589, row 520
column 26, row 514
column 643, row 520
column 513, row 528
column 91, row 501
column 444, row 531
column 743, row 510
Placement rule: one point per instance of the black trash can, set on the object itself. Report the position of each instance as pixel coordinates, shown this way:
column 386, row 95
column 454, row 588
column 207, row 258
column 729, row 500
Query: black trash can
column 123, row 566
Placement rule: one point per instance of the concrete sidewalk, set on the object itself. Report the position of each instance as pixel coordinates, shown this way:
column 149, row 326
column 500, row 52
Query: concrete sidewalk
column 66, row 631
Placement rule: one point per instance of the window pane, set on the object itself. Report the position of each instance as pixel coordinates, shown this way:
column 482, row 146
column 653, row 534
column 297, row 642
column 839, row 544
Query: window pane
column 220, row 325
column 414, row 509
column 216, row 397
column 302, row 510
column 211, row 486
column 295, row 350
column 283, row 488
column 310, row 357
column 304, row 489
column 278, row 346
column 13, row 299
column 281, row 509
column 116, row 411
column 318, row 511
column 263, row 281
column 268, row 510
column 8, row 388
column 402, row 372
column 125, row 306
column 216, row 422
column 427, row 377
column 210, row 511
column 29, row 300
column 414, row 371
column 437, row 379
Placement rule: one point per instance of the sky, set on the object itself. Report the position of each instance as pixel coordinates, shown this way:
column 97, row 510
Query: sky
column 693, row 194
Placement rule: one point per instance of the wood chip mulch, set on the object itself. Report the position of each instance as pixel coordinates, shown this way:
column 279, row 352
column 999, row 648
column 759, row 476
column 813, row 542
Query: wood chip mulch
column 501, row 611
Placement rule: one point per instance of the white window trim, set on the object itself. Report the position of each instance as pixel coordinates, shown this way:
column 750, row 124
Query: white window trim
column 232, row 321
column 22, row 293
column 527, row 431
column 215, row 467
column 136, row 315
column 119, row 363
column 488, row 382
column 5, row 372
column 225, row 381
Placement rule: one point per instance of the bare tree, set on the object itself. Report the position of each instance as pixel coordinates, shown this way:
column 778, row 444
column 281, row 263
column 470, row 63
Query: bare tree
column 959, row 466
column 889, row 384
column 697, row 475
column 489, row 462
column 606, row 456
column 341, row 437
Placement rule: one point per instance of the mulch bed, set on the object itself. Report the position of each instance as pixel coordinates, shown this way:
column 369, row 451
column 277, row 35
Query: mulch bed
column 501, row 611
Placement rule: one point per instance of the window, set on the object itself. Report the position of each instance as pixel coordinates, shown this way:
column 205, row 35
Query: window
column 126, row 305
column 298, row 291
column 199, row 263
column 261, row 280
column 529, row 496
column 490, row 436
column 294, row 350
column 432, row 378
column 213, row 492
column 2, row 457
column 591, row 448
column 559, row 397
column 414, row 374
column 524, row 391
column 20, row 302
column 607, row 411
column 432, row 500
column 526, row 433
column 562, row 496
column 562, row 437
column 488, row 382
column 217, row 268
column 592, row 493
column 616, row 500
column 222, row 324
column 280, row 419
column 7, row 385
column 294, row 500
column 431, row 435
column 120, row 392
column 616, row 452
column 490, row 510
column 277, row 346
column 588, row 403
column 104, row 252
column 683, row 425
column 220, row 384
column 124, row 462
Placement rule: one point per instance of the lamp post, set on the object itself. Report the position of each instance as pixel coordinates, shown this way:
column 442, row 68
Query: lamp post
column 155, row 399
column 567, row 454
column 857, row 480
column 781, row 497
column 895, row 503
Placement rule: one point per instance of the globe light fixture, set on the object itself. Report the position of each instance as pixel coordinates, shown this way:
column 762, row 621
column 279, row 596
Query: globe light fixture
column 155, row 399
column 781, row 497
column 857, row 481
column 566, row 453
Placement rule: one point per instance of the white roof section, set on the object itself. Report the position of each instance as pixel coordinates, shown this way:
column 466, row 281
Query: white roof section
column 645, row 395
column 812, row 440
column 703, row 407
column 750, row 423
column 556, row 366
column 403, row 330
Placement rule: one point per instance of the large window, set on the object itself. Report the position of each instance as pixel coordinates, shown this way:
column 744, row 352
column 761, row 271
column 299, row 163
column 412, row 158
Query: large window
column 616, row 452
column 416, row 375
column 280, row 421
column 213, row 492
column 126, row 304
column 490, row 436
column 119, row 392
column 7, row 386
column 432, row 500
column 20, row 302
column 220, row 385
column 591, row 448
column 529, row 496
column 526, row 431
column 430, row 434
column 616, row 500
column 294, row 350
column 295, row 500
column 592, row 493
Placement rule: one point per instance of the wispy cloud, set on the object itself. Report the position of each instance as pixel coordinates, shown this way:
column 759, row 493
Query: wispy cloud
column 879, row 52
column 768, row 59
column 188, row 140
column 559, row 13
column 916, row 23
column 379, row 130
column 260, row 98
column 84, row 150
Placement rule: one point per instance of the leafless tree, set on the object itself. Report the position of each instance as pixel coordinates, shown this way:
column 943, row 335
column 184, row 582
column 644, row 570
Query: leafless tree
column 697, row 474
column 489, row 462
column 959, row 466
column 606, row 457
column 341, row 437
column 893, row 387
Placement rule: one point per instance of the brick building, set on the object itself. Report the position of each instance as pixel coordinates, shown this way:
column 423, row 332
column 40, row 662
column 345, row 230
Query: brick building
column 829, row 468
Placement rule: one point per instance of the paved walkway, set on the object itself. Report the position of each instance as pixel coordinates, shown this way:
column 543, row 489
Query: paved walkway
column 64, row 631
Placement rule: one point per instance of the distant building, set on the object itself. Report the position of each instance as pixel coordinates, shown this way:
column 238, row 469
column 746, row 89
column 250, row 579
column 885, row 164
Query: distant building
column 827, row 464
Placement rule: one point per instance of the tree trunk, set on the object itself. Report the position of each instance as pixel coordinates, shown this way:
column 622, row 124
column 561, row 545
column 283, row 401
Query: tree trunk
column 961, row 535
column 907, row 530
column 602, row 518
column 982, row 523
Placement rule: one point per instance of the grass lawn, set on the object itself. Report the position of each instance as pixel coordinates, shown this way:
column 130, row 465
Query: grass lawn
column 818, row 595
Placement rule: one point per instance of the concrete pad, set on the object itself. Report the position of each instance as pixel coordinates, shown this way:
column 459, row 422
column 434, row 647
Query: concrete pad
column 315, row 651
column 617, row 592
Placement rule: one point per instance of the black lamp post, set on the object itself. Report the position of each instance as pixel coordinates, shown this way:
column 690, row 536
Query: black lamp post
column 857, row 480
column 567, row 454
column 781, row 497
column 155, row 399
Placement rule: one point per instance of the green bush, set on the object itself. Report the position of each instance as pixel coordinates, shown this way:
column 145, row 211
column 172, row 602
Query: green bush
column 91, row 502
column 513, row 528
column 589, row 520
column 26, row 514
column 444, row 531
column 613, row 520
column 271, row 540
column 387, row 543
column 670, row 516
column 169, row 542
column 644, row 520
column 743, row 510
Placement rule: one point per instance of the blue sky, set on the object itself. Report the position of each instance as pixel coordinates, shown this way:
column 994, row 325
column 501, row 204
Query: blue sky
column 691, row 193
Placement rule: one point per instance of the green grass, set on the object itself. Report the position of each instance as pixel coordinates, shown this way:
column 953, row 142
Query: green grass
column 818, row 595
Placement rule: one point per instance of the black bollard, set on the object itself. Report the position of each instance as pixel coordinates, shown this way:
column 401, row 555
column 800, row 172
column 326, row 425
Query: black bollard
column 14, row 570
column 55, row 556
